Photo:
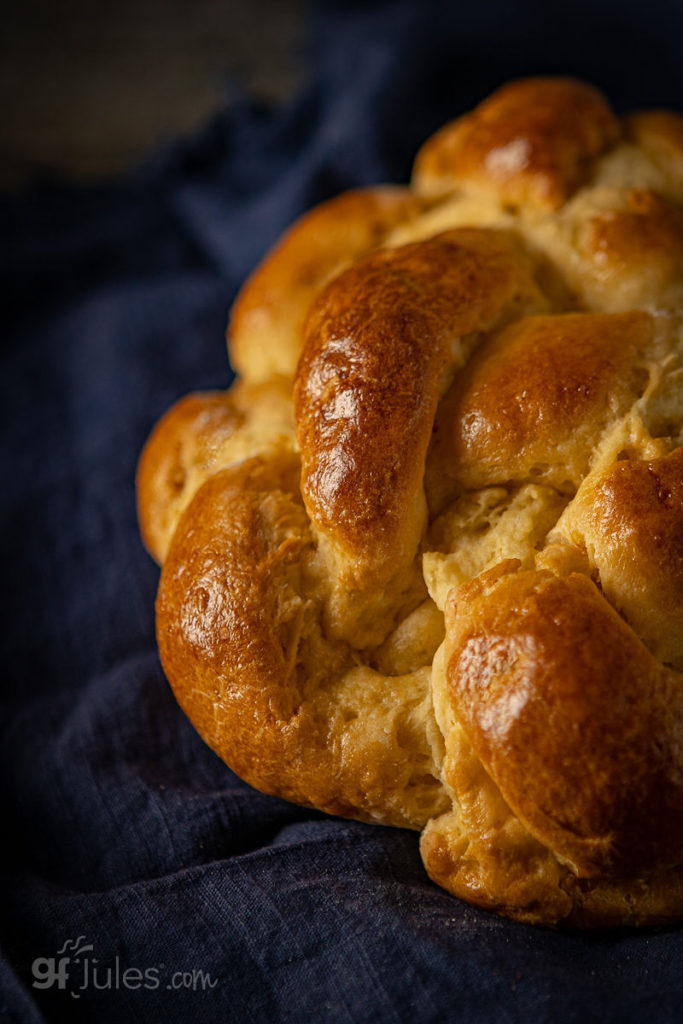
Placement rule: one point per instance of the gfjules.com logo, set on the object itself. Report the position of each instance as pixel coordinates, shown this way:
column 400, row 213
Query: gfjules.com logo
column 72, row 970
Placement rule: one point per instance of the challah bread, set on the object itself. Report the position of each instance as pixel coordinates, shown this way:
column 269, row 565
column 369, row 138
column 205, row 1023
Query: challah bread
column 423, row 564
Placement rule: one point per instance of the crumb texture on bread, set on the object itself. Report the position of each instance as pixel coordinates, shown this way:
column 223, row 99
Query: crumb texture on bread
column 422, row 565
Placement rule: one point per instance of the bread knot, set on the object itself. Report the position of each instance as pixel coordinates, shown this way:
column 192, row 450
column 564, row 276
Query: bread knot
column 422, row 565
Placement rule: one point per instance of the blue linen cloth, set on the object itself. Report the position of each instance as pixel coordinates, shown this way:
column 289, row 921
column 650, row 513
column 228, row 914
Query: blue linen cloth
column 141, row 880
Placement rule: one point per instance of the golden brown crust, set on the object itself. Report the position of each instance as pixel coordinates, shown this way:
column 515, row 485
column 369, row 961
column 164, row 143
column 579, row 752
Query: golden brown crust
column 267, row 319
column 162, row 470
column 223, row 619
column 482, row 853
column 660, row 133
column 532, row 143
column 381, row 342
column 533, row 400
column 199, row 435
column 240, row 639
column 635, row 250
column 468, row 396
column 630, row 521
column 576, row 722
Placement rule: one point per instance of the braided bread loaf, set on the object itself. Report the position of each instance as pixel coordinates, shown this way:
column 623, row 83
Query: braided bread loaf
column 423, row 563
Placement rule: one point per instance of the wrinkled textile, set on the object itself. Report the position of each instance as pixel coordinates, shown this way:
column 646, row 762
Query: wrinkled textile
column 141, row 880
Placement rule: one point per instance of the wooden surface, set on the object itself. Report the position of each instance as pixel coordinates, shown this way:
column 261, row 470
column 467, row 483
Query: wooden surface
column 88, row 88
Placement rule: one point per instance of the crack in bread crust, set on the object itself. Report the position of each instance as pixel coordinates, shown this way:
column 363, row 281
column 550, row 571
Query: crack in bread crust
column 423, row 564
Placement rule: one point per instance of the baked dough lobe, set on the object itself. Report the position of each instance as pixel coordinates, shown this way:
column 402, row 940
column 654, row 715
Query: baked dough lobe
column 533, row 400
column 381, row 344
column 532, row 143
column 239, row 633
column 578, row 724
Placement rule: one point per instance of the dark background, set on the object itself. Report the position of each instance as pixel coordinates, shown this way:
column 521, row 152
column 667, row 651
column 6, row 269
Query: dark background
column 88, row 88
column 192, row 134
